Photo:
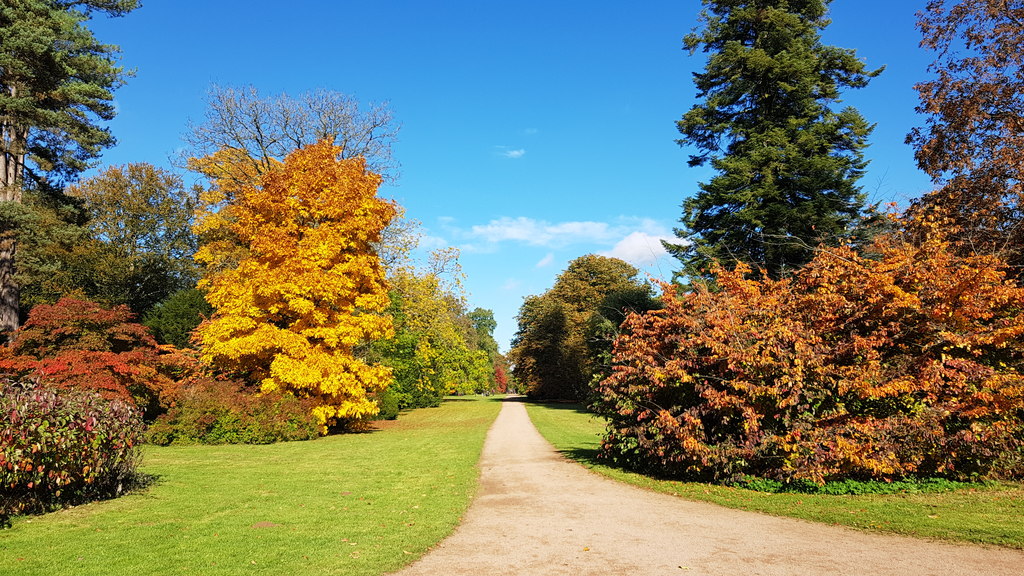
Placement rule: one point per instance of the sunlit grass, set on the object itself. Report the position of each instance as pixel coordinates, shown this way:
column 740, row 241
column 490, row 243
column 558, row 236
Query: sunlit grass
column 990, row 514
column 350, row 504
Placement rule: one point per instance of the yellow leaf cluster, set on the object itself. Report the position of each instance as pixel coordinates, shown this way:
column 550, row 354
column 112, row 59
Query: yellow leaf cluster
column 308, row 287
column 435, row 312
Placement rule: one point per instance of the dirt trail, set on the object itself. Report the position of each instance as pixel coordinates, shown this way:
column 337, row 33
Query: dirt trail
column 538, row 514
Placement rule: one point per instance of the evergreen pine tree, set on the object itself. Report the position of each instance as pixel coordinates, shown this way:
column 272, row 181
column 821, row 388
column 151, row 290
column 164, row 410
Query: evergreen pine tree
column 787, row 164
column 56, row 83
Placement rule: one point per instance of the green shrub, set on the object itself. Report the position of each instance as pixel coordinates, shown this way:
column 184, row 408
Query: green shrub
column 63, row 448
column 173, row 320
column 210, row 411
column 387, row 403
column 412, row 385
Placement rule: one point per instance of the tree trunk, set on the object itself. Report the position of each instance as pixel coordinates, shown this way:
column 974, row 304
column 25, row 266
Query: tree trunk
column 12, row 171
column 9, row 307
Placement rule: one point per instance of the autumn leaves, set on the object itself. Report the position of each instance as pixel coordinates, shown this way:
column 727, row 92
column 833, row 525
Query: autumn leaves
column 902, row 360
column 883, row 350
column 307, row 287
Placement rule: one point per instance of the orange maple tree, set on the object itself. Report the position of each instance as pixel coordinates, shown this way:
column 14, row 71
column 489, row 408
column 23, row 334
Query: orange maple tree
column 307, row 288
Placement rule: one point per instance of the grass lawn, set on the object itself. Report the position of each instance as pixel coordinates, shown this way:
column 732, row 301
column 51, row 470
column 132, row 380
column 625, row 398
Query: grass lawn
column 352, row 504
column 989, row 514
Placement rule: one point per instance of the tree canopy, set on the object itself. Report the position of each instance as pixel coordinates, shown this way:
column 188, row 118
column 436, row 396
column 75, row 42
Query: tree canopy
column 972, row 143
column 787, row 163
column 309, row 289
column 245, row 134
column 139, row 218
column 264, row 129
column 550, row 350
column 435, row 350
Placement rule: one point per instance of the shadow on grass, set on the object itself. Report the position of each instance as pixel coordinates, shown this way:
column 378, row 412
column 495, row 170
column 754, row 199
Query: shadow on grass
column 363, row 427
column 586, row 456
column 555, row 405
column 485, row 396
column 28, row 504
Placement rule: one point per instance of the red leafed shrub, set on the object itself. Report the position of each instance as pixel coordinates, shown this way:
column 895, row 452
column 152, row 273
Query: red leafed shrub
column 61, row 447
column 906, row 361
column 215, row 411
column 80, row 345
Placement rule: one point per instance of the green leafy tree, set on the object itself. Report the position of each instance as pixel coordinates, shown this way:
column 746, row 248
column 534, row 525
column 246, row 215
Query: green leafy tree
column 173, row 320
column 484, row 325
column 604, row 325
column 56, row 255
column 550, row 351
column 140, row 218
column 56, row 83
column 540, row 359
column 787, row 163
column 434, row 350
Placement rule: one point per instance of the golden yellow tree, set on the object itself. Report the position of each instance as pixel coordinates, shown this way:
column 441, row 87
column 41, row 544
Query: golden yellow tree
column 308, row 287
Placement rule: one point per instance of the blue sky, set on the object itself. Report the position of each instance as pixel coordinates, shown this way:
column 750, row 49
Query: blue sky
column 532, row 132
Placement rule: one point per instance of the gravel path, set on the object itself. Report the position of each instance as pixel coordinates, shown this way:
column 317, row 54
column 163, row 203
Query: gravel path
column 539, row 514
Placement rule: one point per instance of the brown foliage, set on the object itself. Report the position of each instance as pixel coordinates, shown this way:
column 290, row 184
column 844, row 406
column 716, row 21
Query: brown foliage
column 905, row 361
column 973, row 141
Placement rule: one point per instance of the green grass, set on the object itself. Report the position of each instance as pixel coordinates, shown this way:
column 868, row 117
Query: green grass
column 988, row 514
column 351, row 504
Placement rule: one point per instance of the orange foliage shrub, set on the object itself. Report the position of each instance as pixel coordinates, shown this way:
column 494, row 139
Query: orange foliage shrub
column 80, row 345
column 903, row 361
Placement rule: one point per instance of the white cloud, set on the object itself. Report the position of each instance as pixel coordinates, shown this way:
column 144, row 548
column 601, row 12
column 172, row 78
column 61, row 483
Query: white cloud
column 509, row 152
column 512, row 285
column 635, row 240
column 540, row 233
column 583, row 230
column 640, row 248
column 429, row 242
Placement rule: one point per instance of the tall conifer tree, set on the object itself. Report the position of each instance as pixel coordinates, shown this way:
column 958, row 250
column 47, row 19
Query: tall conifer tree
column 787, row 163
column 56, row 83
